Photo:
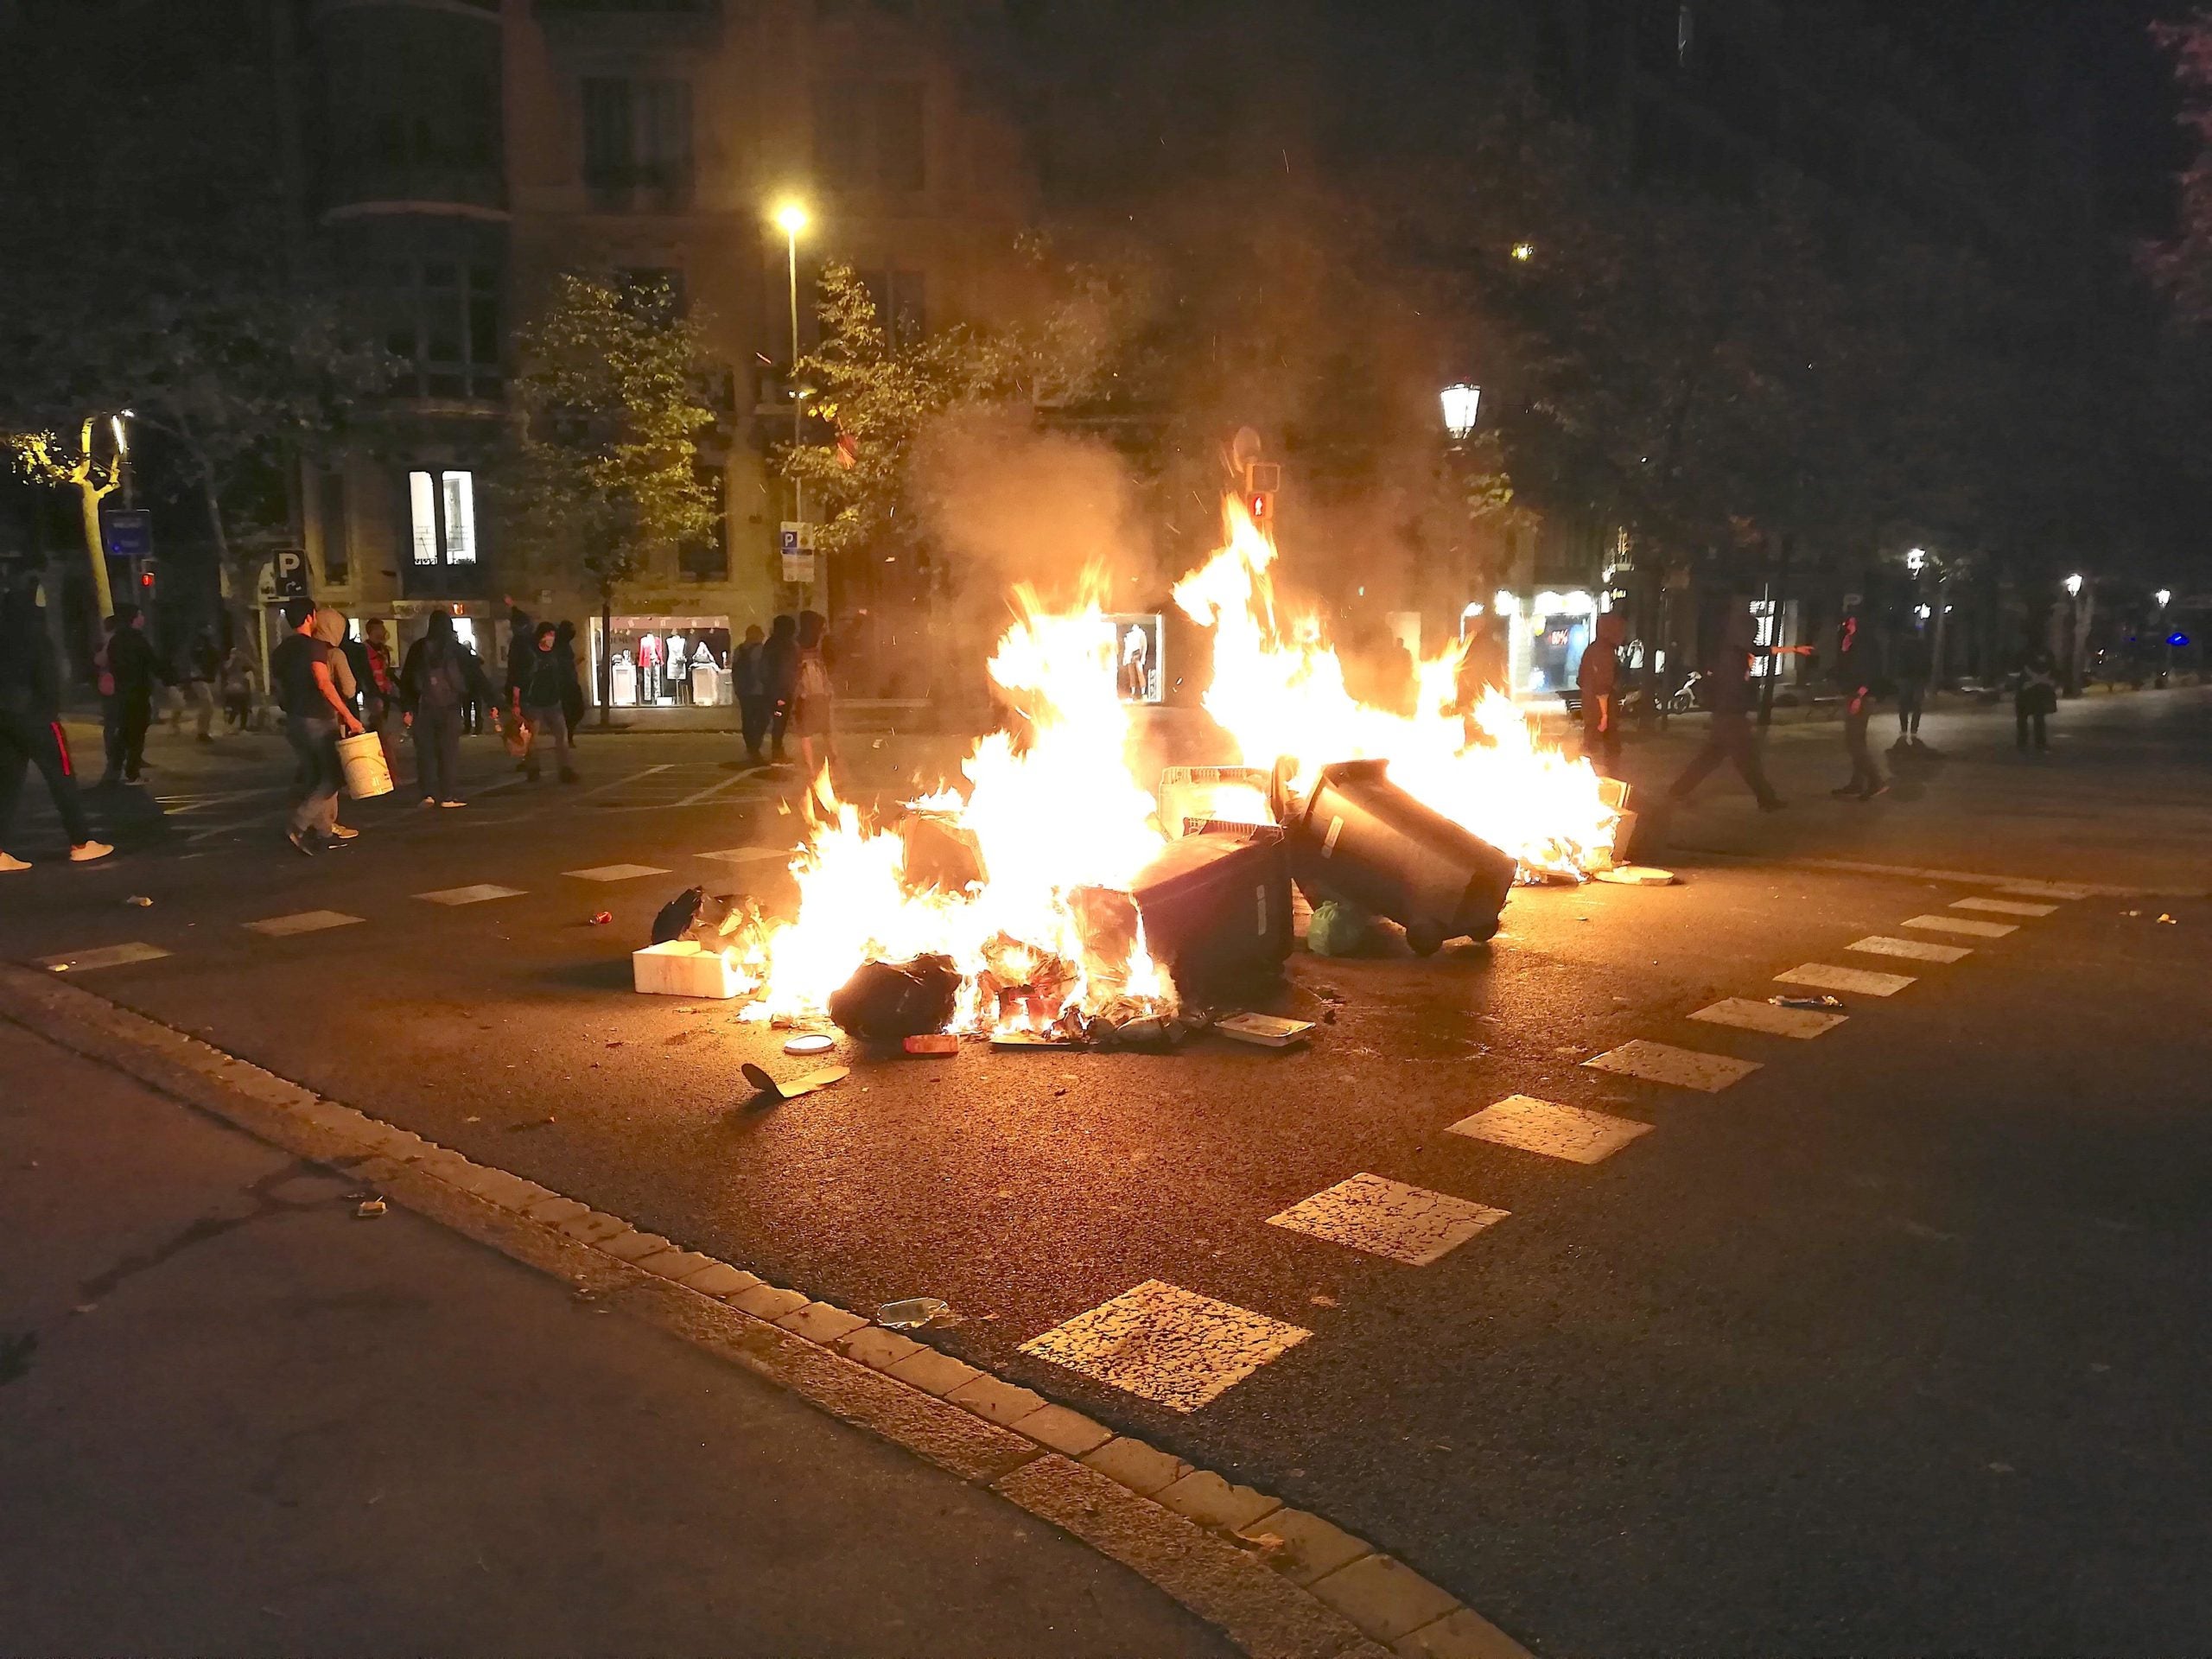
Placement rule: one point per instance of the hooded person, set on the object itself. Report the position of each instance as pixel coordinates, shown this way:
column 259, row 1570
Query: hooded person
column 30, row 727
column 441, row 678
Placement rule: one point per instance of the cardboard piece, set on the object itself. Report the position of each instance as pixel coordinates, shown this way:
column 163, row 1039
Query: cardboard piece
column 791, row 1088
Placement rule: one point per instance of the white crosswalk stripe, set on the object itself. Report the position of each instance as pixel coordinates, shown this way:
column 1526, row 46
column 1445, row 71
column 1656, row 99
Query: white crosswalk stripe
column 1861, row 981
column 1964, row 926
column 107, row 956
column 1574, row 1132
column 2004, row 906
column 1386, row 1217
column 1911, row 949
column 306, row 921
column 1680, row 1068
column 1747, row 1015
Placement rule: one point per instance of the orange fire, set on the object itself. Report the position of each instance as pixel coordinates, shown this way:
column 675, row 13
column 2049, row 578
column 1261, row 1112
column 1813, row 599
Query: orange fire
column 1055, row 811
column 1279, row 692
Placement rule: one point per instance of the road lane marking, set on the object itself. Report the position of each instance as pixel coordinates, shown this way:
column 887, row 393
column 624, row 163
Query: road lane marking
column 108, row 956
column 1166, row 1345
column 1386, row 1217
column 1825, row 976
column 306, row 921
column 615, row 872
column 625, row 783
column 1574, row 1132
column 2044, row 890
column 1914, row 949
column 749, row 854
column 470, row 895
column 719, row 787
column 1746, row 1015
column 1682, row 1068
column 2004, row 906
column 1964, row 925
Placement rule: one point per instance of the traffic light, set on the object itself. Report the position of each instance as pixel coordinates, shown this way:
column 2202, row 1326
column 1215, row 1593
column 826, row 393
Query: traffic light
column 1261, row 479
column 147, row 571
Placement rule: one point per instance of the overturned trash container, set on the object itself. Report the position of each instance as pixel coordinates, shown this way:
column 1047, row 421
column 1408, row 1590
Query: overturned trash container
column 1362, row 838
column 1217, row 910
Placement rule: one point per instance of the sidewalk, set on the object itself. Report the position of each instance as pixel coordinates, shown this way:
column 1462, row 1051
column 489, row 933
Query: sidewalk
column 235, row 1418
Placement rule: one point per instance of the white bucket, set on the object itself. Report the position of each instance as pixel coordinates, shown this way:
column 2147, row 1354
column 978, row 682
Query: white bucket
column 367, row 771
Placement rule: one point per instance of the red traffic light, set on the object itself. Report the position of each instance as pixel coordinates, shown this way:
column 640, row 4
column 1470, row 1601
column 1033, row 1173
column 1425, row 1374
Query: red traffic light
column 146, row 578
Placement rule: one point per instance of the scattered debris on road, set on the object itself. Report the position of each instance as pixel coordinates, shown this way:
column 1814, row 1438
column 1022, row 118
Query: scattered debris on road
column 769, row 1088
column 369, row 1209
column 810, row 1042
column 140, row 901
column 1824, row 1001
column 1264, row 1029
column 912, row 1314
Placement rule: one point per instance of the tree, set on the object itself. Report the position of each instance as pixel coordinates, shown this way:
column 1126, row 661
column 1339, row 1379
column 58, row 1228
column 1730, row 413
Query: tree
column 605, row 455
column 2182, row 266
column 876, row 387
column 148, row 261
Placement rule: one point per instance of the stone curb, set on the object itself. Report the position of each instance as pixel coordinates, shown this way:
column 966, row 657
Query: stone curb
column 1276, row 1581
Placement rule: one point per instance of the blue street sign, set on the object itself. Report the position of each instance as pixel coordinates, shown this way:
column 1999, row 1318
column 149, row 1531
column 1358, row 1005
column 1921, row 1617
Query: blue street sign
column 129, row 534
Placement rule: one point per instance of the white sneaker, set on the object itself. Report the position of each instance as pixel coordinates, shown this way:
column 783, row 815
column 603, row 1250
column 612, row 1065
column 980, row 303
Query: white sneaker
column 85, row 851
column 10, row 863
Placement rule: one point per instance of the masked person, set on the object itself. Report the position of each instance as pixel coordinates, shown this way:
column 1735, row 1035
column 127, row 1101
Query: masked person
column 538, row 688
column 1729, row 739
column 129, row 669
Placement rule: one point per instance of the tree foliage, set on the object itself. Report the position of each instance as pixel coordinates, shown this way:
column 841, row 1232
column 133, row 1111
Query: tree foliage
column 604, row 469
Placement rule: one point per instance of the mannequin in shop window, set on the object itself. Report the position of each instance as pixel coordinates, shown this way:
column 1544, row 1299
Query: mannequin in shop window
column 651, row 658
column 679, row 669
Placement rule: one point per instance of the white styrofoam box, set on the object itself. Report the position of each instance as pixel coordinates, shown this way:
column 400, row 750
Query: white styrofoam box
column 682, row 967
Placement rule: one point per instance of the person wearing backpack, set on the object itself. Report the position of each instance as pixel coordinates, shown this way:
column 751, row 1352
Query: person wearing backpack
column 440, row 678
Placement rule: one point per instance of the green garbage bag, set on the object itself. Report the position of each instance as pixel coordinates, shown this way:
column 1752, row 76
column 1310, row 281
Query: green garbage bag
column 1342, row 929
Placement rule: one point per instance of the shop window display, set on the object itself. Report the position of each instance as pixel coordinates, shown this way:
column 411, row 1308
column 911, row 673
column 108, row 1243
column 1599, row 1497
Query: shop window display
column 664, row 661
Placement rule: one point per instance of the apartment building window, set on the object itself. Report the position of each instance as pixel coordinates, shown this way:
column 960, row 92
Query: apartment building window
column 707, row 559
column 870, row 135
column 441, row 518
column 444, row 328
column 637, row 134
column 900, row 299
column 330, row 515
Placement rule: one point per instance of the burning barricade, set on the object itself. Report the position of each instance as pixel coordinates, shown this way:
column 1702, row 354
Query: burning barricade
column 1053, row 899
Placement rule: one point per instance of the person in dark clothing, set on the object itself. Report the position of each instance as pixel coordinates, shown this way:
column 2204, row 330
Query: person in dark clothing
column 780, row 657
column 1854, row 674
column 538, row 680
column 1729, row 737
column 31, row 729
column 572, row 696
column 1598, row 678
column 438, row 681
column 129, row 669
column 1910, row 671
column 2036, row 698
column 314, row 715
column 202, row 664
column 756, row 703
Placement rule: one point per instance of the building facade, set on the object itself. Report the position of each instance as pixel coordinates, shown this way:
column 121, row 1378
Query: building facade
column 461, row 153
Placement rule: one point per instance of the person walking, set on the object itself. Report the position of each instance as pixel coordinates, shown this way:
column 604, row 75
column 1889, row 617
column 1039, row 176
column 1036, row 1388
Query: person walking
column 1854, row 673
column 1728, row 738
column 537, row 683
column 749, row 681
column 780, row 659
column 440, row 680
column 572, row 695
column 380, row 690
column 129, row 669
column 238, row 691
column 202, row 667
column 314, row 715
column 1598, row 677
column 811, row 714
column 30, row 729
column 1911, row 675
column 2036, row 698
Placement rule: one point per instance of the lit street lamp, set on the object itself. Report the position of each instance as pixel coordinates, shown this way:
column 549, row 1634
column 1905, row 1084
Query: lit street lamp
column 2073, row 586
column 1917, row 560
column 1461, row 403
column 2077, row 635
column 2164, row 596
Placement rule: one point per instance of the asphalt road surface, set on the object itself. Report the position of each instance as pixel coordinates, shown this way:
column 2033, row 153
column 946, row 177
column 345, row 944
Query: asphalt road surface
column 1892, row 1345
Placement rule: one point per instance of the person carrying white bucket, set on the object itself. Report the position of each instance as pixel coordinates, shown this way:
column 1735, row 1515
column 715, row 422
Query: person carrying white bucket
column 314, row 715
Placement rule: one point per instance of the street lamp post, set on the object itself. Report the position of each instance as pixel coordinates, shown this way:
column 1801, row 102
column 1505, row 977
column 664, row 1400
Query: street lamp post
column 1462, row 402
column 790, row 219
column 2164, row 596
column 2073, row 640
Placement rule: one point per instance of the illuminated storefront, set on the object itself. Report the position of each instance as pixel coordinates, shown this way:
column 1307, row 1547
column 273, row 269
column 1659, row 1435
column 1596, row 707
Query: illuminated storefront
column 663, row 662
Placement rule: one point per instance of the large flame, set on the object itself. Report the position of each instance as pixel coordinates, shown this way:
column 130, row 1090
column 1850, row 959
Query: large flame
column 1053, row 816
column 1279, row 690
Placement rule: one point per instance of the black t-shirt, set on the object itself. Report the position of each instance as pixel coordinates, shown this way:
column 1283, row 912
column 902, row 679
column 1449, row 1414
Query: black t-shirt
column 291, row 665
